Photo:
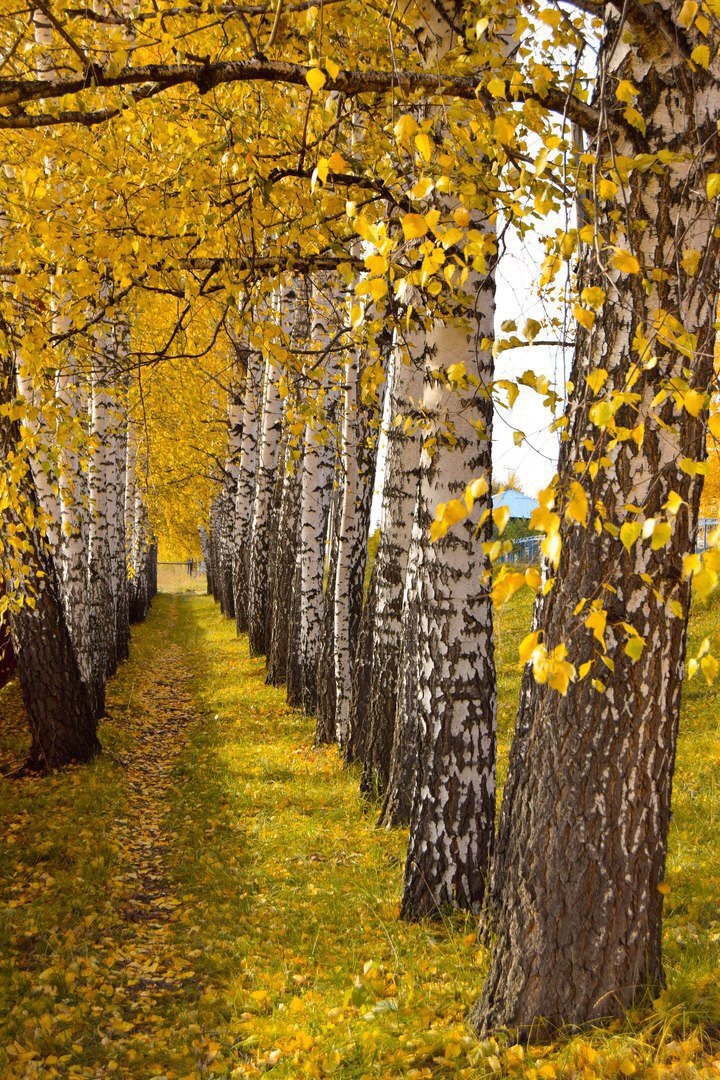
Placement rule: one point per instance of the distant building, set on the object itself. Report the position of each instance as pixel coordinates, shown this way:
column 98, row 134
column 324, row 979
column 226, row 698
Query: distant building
column 521, row 506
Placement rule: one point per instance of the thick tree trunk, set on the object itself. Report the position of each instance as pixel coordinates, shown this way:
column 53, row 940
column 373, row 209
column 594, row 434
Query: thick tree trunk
column 319, row 457
column 397, row 804
column 102, row 537
column 383, row 616
column 60, row 710
column 453, row 815
column 74, row 534
column 576, row 905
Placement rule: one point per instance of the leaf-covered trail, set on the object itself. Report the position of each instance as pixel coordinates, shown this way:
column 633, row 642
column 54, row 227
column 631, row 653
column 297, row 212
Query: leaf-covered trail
column 156, row 729
column 209, row 898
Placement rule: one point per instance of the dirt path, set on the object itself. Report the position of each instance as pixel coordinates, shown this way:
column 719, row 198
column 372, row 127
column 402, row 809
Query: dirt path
column 157, row 716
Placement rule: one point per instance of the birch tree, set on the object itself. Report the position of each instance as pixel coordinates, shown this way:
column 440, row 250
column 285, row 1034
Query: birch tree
column 587, row 803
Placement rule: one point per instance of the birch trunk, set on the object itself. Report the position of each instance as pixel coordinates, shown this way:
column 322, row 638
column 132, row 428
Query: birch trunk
column 576, row 908
column 358, row 456
column 60, row 711
column 260, row 538
column 453, row 815
column 246, row 487
column 315, row 511
column 226, row 523
column 385, row 628
column 286, row 545
column 325, row 677
column 288, row 518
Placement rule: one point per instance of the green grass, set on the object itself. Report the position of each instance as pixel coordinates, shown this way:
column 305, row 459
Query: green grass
column 283, row 949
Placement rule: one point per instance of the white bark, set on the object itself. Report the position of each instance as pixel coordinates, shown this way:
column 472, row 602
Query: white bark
column 245, row 491
column 399, row 497
column 269, row 448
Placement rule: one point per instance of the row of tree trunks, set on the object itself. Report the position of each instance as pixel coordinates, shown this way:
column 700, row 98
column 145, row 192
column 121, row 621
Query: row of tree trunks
column 421, row 706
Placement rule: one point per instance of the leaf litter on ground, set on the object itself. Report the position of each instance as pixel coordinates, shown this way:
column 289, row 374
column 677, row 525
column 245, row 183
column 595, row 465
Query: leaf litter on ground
column 211, row 898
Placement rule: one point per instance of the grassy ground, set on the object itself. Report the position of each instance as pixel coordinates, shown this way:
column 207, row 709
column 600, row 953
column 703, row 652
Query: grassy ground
column 210, row 898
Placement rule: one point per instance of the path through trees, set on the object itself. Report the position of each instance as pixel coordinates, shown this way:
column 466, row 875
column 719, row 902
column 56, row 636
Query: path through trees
column 241, row 910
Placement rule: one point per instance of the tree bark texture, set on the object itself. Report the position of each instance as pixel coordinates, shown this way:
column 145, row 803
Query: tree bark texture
column 453, row 815
column 358, row 457
column 576, row 909
column 377, row 706
column 60, row 710
column 260, row 538
column 245, row 491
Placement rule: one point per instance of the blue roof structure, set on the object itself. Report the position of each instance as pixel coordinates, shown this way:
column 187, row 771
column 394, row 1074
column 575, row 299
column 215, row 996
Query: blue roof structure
column 521, row 506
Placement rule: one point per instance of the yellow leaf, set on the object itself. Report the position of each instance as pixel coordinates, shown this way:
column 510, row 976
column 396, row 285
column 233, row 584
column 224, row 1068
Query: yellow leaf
column 634, row 647
column 547, row 1072
column 376, row 264
column 577, row 508
column 356, row 315
column 597, row 621
column 414, row 226
column 673, row 503
column 422, row 188
column 583, row 316
column 625, row 262
column 405, row 127
column 712, row 185
column 625, row 91
column 475, row 490
column 315, row 78
column 687, row 13
column 607, row 189
column 423, row 145
column 629, row 532
column 501, row 516
column 504, row 129
column 337, row 162
column 691, row 260
column 497, row 88
column 550, row 266
column 446, row 515
column 694, row 402
column 635, row 119
column 378, row 288
column 533, row 578
column 701, row 56
column 594, row 297
column 528, row 645
column 601, row 414
column 709, row 667
column 597, row 379
column 332, row 69
column 704, row 582
column 551, row 547
column 661, row 533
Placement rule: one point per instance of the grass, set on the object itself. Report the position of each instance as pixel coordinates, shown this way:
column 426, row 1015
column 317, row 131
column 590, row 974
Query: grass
column 217, row 901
